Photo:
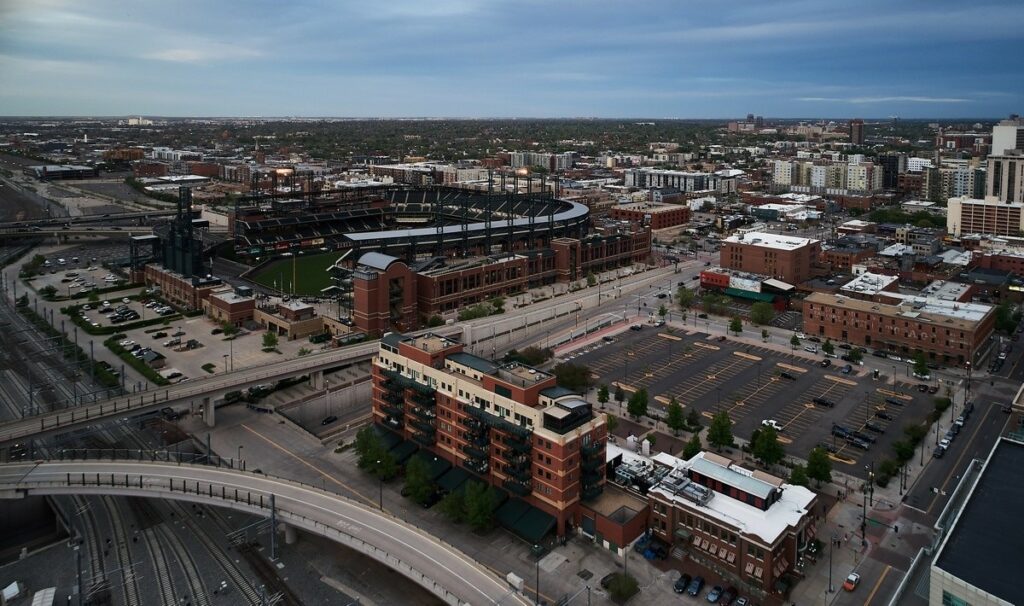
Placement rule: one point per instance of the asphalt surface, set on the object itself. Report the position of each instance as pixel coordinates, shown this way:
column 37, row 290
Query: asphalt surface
column 307, row 507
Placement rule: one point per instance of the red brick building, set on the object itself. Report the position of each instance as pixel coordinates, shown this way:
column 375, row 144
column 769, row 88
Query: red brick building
column 383, row 295
column 950, row 331
column 227, row 306
column 657, row 216
column 508, row 425
column 787, row 258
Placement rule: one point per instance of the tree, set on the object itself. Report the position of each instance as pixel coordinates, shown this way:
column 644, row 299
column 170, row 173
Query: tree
column 453, row 506
column 531, row 356
column 798, row 477
column 684, row 298
column 1004, row 318
column 767, row 447
column 856, row 355
column 591, row 279
column 693, row 420
column 762, row 313
column 602, row 395
column 385, row 467
column 675, row 419
column 713, row 303
column 367, row 445
column 637, row 405
column 229, row 329
column 621, row 587
column 573, row 376
column 269, row 340
column 662, row 311
column 481, row 501
column 620, row 396
column 498, row 304
column 435, row 321
column 736, row 325
column 828, row 347
column 819, row 466
column 794, row 341
column 611, row 422
column 693, row 447
column 418, row 484
column 93, row 296
column 920, row 364
column 47, row 292
column 720, row 431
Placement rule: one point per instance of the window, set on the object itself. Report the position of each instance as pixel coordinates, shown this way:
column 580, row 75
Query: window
column 949, row 599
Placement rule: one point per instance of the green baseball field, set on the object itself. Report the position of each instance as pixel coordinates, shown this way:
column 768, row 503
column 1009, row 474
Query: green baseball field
column 300, row 275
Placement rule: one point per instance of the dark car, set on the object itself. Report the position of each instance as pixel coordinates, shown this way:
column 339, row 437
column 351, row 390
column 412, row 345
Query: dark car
column 826, row 363
column 880, row 354
column 874, row 427
column 846, row 369
column 933, row 389
column 682, row 583
column 939, row 451
column 922, row 388
column 894, row 401
column 702, row 316
column 662, row 295
column 827, row 447
column 840, row 432
column 870, row 439
column 786, row 375
column 857, row 442
column 216, row 331
column 636, row 327
column 814, row 339
column 844, row 346
column 328, row 420
column 824, row 402
column 727, row 596
column 695, row 586
column 881, row 414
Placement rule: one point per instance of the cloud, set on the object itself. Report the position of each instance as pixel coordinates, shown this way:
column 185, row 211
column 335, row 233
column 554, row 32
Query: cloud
column 203, row 54
column 896, row 99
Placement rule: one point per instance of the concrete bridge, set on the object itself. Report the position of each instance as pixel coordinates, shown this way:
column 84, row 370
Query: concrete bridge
column 438, row 567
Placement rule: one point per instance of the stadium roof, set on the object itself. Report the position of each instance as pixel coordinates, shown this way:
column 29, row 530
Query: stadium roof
column 377, row 260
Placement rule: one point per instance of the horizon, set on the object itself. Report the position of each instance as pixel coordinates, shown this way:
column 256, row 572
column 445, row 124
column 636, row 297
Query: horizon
column 483, row 60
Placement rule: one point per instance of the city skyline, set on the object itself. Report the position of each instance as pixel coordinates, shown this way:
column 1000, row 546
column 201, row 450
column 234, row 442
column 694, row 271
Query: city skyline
column 459, row 58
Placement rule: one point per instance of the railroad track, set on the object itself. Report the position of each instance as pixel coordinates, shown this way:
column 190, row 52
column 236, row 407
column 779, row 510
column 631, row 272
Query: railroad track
column 129, row 584
column 225, row 563
column 147, row 518
column 196, row 587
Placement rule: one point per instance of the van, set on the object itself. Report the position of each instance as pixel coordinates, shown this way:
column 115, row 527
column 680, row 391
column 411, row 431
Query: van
column 811, row 348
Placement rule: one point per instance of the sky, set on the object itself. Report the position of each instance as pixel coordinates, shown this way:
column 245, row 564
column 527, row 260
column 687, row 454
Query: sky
column 522, row 58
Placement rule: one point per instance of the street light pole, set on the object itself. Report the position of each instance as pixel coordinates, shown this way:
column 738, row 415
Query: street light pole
column 831, row 546
column 380, row 487
column 536, row 554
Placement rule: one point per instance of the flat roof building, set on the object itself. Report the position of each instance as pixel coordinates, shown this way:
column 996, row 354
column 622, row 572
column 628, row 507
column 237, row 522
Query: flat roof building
column 787, row 258
column 989, row 216
column 979, row 561
column 657, row 216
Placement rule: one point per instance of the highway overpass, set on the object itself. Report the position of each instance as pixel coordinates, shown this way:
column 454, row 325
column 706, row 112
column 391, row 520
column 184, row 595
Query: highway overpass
column 439, row 567
column 194, row 393
column 57, row 232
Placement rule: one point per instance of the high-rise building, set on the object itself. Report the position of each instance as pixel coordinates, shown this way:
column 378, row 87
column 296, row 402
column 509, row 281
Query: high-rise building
column 1006, row 176
column 857, row 131
column 1007, row 135
column 892, row 165
column 965, row 215
column 509, row 425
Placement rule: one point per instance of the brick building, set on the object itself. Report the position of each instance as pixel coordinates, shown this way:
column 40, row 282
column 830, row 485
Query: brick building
column 185, row 291
column 657, row 216
column 383, row 295
column 950, row 331
column 150, row 169
column 989, row 216
column 290, row 319
column 786, row 258
column 508, row 425
column 228, row 306
column 746, row 525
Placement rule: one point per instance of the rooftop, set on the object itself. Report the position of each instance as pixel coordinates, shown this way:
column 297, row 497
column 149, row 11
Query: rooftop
column 431, row 343
column 650, row 207
column 947, row 291
column 475, row 362
column 868, row 283
column 520, row 374
column 981, row 548
column 947, row 313
column 768, row 525
column 230, row 296
column 769, row 240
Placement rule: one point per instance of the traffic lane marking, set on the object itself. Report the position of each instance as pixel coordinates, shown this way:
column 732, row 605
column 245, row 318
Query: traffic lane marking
column 878, row 584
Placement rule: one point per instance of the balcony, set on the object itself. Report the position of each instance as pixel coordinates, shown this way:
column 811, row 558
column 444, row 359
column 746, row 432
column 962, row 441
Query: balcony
column 470, row 423
column 520, row 472
column 498, row 422
column 423, row 439
column 395, row 411
column 591, row 464
column 518, row 445
column 478, row 467
column 592, row 449
column 590, row 477
column 394, row 397
column 476, row 452
column 423, row 413
column 423, row 426
column 426, row 399
column 517, row 488
column 591, row 492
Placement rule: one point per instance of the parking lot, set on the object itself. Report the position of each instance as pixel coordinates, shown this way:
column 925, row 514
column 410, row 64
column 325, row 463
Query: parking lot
column 74, row 277
column 747, row 381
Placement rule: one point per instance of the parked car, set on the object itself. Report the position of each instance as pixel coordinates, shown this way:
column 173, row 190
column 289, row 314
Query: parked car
column 840, row 432
column 682, row 583
column 851, row 581
column 772, row 423
column 824, row 402
column 939, row 451
column 922, row 388
column 786, row 375
column 727, row 596
column 713, row 594
column 960, row 421
column 695, row 586
column 875, row 427
column 826, row 363
column 894, row 401
column 944, row 443
column 811, row 348
column 328, row 420
column 847, row 369
column 870, row 439
column 881, row 414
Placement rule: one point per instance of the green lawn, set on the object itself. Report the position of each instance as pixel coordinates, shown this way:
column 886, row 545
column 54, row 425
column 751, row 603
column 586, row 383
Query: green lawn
column 310, row 273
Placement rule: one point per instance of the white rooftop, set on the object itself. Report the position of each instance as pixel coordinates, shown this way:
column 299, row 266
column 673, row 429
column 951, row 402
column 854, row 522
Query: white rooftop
column 769, row 240
column 868, row 283
column 768, row 525
column 896, row 250
column 946, row 291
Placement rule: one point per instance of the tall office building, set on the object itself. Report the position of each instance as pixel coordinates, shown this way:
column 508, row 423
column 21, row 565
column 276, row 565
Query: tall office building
column 892, row 166
column 1007, row 135
column 1005, row 178
column 857, row 131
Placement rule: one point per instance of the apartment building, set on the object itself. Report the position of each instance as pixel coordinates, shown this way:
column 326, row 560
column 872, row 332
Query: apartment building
column 657, row 216
column 1005, row 176
column 965, row 215
column 786, row 258
column 723, row 182
column 746, row 525
column 950, row 331
column 508, row 424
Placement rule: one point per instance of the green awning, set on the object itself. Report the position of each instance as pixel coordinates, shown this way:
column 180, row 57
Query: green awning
column 535, row 525
column 509, row 513
column 388, row 439
column 453, row 480
column 749, row 294
column 436, row 466
column 403, row 451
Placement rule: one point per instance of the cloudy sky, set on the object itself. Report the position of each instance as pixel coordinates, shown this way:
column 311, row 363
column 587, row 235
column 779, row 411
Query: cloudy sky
column 543, row 58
